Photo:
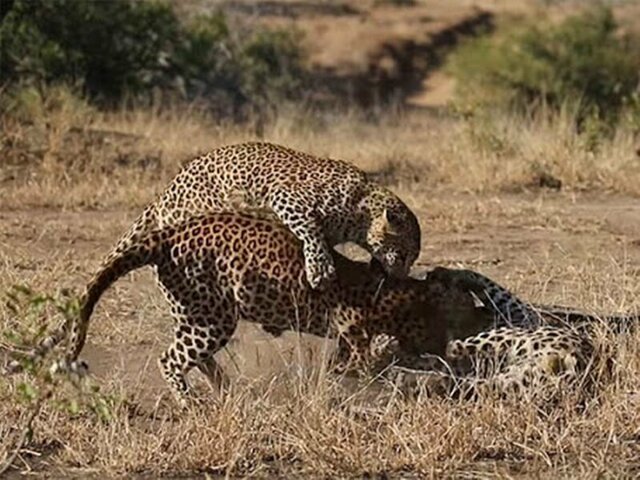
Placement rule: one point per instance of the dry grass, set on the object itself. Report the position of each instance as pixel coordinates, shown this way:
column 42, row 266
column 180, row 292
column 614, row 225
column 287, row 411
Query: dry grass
column 473, row 184
column 122, row 159
column 285, row 416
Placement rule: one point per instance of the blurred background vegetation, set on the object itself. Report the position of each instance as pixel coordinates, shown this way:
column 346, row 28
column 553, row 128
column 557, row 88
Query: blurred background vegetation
column 581, row 63
column 141, row 85
column 116, row 51
column 119, row 51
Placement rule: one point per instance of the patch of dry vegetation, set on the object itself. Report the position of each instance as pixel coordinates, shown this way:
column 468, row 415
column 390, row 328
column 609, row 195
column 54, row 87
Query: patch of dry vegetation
column 284, row 414
column 67, row 155
column 301, row 421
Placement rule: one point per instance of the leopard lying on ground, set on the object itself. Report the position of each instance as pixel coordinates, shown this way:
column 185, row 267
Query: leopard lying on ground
column 538, row 362
column 323, row 201
column 503, row 361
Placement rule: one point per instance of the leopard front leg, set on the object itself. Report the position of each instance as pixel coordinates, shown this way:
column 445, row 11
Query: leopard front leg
column 302, row 221
column 318, row 262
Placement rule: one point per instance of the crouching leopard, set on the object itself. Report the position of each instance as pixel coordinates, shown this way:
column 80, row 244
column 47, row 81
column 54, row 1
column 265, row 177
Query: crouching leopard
column 221, row 267
column 322, row 201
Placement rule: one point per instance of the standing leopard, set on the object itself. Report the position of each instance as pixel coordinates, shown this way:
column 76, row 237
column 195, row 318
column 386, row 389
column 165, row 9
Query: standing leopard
column 324, row 202
column 218, row 268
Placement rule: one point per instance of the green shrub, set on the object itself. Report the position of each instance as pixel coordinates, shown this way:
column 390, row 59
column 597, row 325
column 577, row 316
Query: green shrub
column 126, row 49
column 69, row 393
column 109, row 48
column 271, row 63
column 266, row 66
column 580, row 61
column 55, row 106
column 205, row 63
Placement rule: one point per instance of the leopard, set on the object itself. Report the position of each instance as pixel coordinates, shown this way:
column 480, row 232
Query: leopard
column 529, row 349
column 538, row 362
column 505, row 361
column 512, row 311
column 323, row 201
column 218, row 268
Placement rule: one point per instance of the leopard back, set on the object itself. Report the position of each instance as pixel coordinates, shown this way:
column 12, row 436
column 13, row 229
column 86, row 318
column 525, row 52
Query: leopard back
column 322, row 201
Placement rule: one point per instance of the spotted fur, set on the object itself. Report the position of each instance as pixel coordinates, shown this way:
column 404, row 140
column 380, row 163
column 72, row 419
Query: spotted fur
column 530, row 350
column 537, row 363
column 218, row 268
column 505, row 361
column 323, row 201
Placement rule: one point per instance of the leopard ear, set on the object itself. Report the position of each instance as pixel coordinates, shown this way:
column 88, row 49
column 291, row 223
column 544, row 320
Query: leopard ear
column 387, row 216
column 389, row 221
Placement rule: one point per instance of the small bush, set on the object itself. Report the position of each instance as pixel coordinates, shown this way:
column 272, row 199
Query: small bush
column 271, row 62
column 582, row 60
column 267, row 66
column 109, row 48
column 205, row 64
column 119, row 49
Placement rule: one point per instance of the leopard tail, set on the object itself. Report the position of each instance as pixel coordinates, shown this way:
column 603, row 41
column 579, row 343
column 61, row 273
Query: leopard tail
column 137, row 255
column 617, row 322
column 133, row 257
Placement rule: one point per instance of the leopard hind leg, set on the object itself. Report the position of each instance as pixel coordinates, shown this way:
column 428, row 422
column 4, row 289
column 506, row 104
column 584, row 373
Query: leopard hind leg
column 205, row 319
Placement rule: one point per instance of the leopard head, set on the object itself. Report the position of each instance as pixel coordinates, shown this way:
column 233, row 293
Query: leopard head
column 393, row 237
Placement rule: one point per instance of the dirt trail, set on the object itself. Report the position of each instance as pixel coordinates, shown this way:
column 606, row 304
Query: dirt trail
column 371, row 52
column 375, row 51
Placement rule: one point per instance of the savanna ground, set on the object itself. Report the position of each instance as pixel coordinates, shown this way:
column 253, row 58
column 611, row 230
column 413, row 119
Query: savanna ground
column 530, row 203
column 480, row 206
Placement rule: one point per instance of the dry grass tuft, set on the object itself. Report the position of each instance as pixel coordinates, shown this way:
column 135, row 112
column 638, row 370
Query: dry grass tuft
column 71, row 158
column 294, row 425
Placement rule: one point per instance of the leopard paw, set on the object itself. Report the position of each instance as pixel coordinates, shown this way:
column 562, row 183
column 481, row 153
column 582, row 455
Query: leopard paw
column 319, row 275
